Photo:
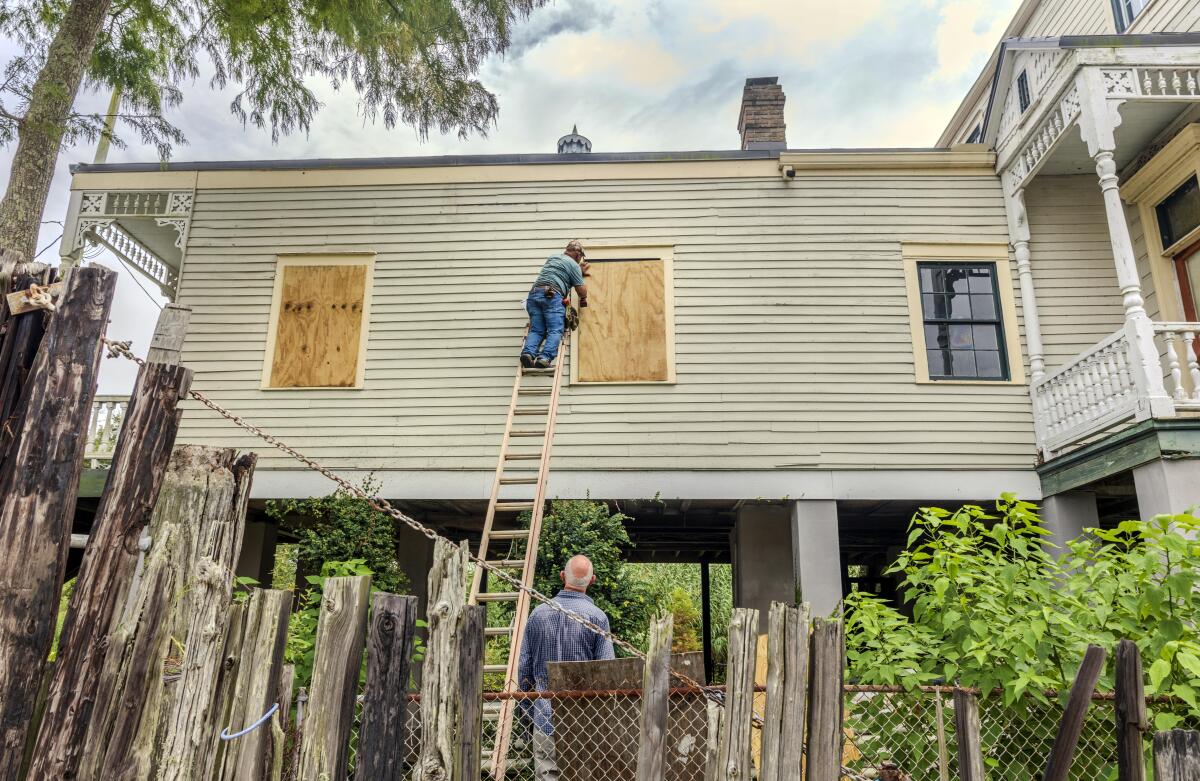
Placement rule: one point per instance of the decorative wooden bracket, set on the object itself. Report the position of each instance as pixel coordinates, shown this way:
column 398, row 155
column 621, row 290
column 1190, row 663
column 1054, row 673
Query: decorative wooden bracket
column 36, row 297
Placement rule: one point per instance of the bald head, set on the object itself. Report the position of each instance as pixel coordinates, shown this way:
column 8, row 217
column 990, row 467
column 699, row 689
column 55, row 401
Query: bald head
column 578, row 574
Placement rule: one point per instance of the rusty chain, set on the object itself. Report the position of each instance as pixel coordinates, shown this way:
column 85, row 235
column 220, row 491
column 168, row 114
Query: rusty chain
column 123, row 349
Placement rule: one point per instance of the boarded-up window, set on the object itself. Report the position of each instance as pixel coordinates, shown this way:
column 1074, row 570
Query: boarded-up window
column 625, row 333
column 319, row 322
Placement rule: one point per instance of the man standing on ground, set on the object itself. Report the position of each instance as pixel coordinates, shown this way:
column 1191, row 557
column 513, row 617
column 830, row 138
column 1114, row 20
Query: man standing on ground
column 552, row 637
column 547, row 302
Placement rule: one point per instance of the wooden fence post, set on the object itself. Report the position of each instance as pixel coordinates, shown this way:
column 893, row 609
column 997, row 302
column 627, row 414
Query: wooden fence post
column 190, row 741
column 440, row 698
column 712, row 754
column 382, row 735
column 966, row 734
column 827, row 664
column 203, row 487
column 1176, row 755
column 135, row 478
column 256, row 686
column 1058, row 766
column 341, row 629
column 20, row 341
column 37, row 497
column 471, row 624
column 733, row 761
column 787, row 685
column 1130, row 712
column 656, row 680
column 167, row 342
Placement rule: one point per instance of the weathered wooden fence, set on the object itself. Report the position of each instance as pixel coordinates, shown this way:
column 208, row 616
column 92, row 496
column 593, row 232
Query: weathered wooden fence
column 162, row 672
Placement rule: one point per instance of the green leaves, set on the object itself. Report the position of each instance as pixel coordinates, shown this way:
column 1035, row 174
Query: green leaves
column 992, row 608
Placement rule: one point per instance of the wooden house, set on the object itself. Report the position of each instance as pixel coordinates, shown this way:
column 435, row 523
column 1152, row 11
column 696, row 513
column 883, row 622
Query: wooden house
column 787, row 351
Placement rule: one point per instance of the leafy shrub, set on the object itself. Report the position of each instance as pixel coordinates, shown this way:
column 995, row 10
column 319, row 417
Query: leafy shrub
column 686, row 617
column 340, row 527
column 993, row 607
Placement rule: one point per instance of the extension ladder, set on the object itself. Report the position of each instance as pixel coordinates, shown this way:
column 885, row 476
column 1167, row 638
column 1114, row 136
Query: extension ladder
column 525, row 445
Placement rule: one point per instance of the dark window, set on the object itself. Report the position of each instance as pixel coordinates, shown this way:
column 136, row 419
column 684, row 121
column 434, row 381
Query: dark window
column 964, row 333
column 1179, row 213
column 976, row 135
column 1023, row 90
column 1125, row 11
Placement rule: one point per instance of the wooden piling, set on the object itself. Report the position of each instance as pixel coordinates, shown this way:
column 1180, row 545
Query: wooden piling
column 966, row 734
column 440, row 701
column 1177, row 755
column 38, row 483
column 256, row 686
column 20, row 340
column 733, row 761
column 471, row 624
column 202, row 489
column 138, row 467
column 787, row 689
column 826, row 673
column 712, row 753
column 1130, row 712
column 656, row 680
column 341, row 629
column 190, row 739
column 1058, row 766
column 381, row 737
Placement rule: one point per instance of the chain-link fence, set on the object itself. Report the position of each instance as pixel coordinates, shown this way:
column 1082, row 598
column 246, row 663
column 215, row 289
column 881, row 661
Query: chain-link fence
column 595, row 734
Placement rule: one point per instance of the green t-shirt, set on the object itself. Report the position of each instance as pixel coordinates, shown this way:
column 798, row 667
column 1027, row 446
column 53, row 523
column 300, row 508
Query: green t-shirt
column 560, row 272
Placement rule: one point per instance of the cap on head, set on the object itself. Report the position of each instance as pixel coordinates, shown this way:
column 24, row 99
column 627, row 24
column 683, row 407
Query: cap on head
column 577, row 245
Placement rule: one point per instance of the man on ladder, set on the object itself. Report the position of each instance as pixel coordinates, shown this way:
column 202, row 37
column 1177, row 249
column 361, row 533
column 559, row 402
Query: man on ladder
column 547, row 302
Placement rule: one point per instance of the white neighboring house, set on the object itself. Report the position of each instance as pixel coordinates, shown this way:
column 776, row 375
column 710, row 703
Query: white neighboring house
column 839, row 336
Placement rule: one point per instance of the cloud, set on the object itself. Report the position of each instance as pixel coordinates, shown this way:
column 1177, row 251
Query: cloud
column 571, row 16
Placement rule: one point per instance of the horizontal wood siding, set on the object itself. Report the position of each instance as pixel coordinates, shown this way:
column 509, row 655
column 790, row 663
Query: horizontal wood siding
column 793, row 342
column 1168, row 16
column 1073, row 271
column 1070, row 17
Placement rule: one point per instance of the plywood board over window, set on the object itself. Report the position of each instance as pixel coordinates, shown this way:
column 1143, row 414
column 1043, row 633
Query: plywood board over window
column 319, row 316
column 627, row 335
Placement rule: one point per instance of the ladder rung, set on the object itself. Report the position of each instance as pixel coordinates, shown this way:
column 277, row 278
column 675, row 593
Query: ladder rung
column 526, row 432
column 522, row 456
column 507, row 563
column 518, row 481
column 497, row 596
column 531, row 411
column 514, row 507
column 497, row 631
column 508, row 534
column 495, row 668
column 535, row 391
column 539, row 372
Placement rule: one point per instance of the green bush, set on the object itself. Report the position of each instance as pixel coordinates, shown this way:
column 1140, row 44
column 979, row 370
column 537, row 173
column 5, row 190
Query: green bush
column 993, row 607
column 341, row 527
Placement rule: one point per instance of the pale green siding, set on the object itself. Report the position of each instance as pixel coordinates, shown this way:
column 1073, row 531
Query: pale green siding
column 1070, row 17
column 1168, row 16
column 793, row 342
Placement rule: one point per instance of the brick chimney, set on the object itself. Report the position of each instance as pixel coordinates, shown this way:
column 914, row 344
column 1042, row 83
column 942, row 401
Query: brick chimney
column 761, row 119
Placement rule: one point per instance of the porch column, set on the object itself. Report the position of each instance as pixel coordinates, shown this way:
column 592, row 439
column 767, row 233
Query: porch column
column 762, row 557
column 1099, row 117
column 817, row 553
column 1066, row 515
column 1167, row 486
column 1018, row 231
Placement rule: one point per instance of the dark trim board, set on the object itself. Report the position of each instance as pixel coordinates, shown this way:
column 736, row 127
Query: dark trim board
column 1141, row 443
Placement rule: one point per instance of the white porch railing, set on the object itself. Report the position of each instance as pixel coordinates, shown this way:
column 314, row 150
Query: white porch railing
column 104, row 426
column 1100, row 388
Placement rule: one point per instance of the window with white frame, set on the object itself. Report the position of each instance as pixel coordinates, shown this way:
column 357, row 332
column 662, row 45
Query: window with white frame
column 1125, row 11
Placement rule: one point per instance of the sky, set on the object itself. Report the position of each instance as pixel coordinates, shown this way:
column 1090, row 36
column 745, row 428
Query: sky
column 634, row 75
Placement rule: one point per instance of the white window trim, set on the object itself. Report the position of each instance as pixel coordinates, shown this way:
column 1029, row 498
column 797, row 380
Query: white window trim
column 913, row 253
column 613, row 250
column 283, row 261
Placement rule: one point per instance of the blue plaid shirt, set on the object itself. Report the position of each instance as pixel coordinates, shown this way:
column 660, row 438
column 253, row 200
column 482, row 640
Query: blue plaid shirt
column 552, row 637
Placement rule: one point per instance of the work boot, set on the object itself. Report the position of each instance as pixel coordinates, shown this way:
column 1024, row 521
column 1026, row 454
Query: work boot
column 527, row 360
column 542, row 362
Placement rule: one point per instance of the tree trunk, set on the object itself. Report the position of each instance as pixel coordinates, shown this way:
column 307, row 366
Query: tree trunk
column 41, row 130
column 37, row 498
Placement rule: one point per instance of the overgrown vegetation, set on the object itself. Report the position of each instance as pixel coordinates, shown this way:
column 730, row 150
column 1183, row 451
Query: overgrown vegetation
column 993, row 607
column 340, row 527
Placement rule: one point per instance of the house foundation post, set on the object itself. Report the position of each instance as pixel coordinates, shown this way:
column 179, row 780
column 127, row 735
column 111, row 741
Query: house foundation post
column 1167, row 486
column 1066, row 515
column 817, row 554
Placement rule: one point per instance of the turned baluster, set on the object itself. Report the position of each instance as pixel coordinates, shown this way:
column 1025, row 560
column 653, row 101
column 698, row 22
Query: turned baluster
column 1173, row 366
column 1189, row 349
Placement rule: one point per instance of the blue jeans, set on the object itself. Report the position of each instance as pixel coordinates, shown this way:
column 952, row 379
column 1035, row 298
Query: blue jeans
column 546, row 324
